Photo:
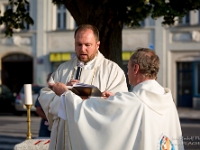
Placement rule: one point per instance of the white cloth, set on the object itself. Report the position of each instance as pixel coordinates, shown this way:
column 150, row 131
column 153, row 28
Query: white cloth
column 90, row 64
column 136, row 120
column 33, row 144
column 105, row 74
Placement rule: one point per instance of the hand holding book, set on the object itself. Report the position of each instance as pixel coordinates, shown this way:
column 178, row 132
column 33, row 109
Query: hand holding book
column 80, row 89
column 58, row 88
column 85, row 90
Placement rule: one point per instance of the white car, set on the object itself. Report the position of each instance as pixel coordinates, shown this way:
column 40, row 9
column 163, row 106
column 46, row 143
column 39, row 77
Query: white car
column 20, row 108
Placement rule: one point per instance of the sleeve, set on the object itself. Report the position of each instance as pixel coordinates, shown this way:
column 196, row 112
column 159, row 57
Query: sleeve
column 48, row 100
column 62, row 110
column 50, row 103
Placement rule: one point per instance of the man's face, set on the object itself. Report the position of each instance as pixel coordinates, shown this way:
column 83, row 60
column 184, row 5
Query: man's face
column 86, row 46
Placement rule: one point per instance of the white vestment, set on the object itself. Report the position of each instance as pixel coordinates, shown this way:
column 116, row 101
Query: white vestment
column 144, row 119
column 104, row 74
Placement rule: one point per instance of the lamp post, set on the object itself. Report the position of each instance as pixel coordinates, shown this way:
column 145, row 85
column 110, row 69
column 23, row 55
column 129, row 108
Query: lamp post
column 28, row 103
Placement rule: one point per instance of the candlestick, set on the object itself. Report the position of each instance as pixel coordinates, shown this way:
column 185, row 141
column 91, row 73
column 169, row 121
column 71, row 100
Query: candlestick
column 28, row 94
column 29, row 135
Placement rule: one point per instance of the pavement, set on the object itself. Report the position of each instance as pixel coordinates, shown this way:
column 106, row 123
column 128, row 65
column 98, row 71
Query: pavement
column 188, row 113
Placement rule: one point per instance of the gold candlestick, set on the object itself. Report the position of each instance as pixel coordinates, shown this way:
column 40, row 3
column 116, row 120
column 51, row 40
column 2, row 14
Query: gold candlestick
column 29, row 135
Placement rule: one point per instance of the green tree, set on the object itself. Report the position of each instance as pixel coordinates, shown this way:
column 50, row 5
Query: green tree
column 109, row 16
column 15, row 16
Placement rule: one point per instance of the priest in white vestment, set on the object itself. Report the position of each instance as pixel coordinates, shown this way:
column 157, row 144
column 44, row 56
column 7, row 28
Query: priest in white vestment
column 97, row 71
column 144, row 119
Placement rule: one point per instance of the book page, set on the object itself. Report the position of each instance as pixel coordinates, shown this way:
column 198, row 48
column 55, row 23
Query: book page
column 83, row 85
column 69, row 87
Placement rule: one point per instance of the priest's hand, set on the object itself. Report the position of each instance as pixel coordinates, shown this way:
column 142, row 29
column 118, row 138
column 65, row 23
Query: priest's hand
column 72, row 82
column 106, row 94
column 59, row 88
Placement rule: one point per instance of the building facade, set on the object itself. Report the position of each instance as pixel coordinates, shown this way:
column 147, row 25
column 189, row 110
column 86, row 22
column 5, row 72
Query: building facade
column 29, row 55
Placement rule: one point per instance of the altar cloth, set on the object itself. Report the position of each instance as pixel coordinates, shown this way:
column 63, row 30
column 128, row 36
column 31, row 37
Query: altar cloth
column 33, row 144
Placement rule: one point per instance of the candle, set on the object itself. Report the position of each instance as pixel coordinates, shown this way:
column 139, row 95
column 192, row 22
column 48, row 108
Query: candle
column 28, row 94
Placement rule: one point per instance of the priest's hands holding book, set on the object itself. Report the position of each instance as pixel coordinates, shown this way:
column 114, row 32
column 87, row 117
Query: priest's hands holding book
column 72, row 82
column 58, row 87
column 107, row 94
column 83, row 90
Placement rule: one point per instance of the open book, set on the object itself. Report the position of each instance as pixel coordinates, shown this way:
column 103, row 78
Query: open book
column 82, row 89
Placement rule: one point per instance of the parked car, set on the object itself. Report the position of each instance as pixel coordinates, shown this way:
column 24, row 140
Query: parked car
column 20, row 108
column 7, row 99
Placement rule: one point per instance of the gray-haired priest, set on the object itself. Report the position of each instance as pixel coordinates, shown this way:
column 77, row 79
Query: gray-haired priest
column 144, row 119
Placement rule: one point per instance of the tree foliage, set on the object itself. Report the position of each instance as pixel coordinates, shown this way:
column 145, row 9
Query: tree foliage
column 131, row 12
column 15, row 16
column 128, row 12
column 109, row 16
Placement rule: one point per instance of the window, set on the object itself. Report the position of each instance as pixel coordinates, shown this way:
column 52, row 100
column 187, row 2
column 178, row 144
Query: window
column 8, row 7
column 184, row 84
column 27, row 26
column 147, row 22
column 151, row 21
column 142, row 23
column 61, row 17
column 185, row 19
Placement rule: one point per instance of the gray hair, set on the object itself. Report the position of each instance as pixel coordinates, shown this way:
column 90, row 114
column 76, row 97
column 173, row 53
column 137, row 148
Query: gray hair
column 148, row 62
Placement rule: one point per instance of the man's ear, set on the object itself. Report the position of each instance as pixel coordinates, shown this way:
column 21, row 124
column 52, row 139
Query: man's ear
column 98, row 44
column 136, row 68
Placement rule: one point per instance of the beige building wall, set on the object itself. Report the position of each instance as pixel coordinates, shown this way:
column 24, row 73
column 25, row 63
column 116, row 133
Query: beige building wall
column 171, row 44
